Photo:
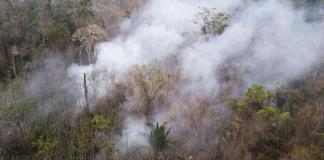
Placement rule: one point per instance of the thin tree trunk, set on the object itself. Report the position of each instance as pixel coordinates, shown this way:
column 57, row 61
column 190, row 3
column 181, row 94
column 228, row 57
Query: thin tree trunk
column 89, row 55
column 11, row 63
column 86, row 92
column 10, row 4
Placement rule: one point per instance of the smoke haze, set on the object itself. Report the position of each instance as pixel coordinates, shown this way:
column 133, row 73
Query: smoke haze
column 267, row 42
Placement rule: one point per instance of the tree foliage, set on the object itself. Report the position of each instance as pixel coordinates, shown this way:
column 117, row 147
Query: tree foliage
column 102, row 122
column 88, row 36
column 212, row 21
column 255, row 98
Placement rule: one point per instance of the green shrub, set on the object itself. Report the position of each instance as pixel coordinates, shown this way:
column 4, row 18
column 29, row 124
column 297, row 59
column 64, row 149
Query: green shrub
column 45, row 147
column 102, row 122
column 58, row 35
column 271, row 112
column 268, row 112
column 255, row 97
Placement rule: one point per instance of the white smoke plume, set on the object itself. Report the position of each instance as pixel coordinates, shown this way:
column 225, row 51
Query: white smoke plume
column 267, row 42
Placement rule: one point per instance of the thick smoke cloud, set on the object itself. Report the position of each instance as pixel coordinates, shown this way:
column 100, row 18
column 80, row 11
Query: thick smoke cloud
column 267, row 42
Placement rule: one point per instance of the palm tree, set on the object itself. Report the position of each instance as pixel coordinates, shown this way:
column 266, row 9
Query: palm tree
column 159, row 138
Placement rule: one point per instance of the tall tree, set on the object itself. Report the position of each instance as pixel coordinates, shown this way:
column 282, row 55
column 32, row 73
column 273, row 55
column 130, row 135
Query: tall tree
column 88, row 36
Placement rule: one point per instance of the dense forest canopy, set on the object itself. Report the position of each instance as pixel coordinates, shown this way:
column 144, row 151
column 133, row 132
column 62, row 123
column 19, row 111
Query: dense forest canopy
column 162, row 79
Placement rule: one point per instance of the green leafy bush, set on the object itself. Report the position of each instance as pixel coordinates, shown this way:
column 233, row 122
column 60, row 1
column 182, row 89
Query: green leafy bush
column 102, row 122
column 271, row 112
column 268, row 112
column 58, row 35
column 13, row 104
column 45, row 146
column 255, row 97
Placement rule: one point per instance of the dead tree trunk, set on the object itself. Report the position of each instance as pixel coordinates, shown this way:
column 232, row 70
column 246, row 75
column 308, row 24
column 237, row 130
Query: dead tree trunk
column 85, row 92
column 11, row 62
column 89, row 55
